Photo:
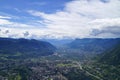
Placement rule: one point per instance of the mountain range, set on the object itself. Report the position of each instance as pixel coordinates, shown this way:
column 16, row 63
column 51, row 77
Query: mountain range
column 25, row 47
column 96, row 45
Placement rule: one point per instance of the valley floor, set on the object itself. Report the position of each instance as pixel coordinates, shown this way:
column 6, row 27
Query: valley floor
column 46, row 68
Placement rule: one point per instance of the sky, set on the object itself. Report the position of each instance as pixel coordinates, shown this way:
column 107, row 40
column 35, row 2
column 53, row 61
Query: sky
column 60, row 19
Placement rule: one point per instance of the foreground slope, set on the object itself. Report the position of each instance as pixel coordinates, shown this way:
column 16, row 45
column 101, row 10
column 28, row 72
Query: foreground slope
column 112, row 56
column 106, row 66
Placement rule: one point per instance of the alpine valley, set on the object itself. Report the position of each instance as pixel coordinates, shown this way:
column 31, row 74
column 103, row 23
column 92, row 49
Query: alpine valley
column 65, row 59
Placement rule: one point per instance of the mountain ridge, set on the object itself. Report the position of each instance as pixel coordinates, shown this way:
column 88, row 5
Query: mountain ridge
column 93, row 44
column 28, row 47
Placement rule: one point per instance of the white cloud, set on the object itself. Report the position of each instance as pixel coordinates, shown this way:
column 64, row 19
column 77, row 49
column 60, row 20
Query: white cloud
column 5, row 17
column 78, row 19
column 4, row 22
column 10, row 24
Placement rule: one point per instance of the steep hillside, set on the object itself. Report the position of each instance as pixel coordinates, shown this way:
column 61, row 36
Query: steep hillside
column 112, row 56
column 93, row 44
column 25, row 47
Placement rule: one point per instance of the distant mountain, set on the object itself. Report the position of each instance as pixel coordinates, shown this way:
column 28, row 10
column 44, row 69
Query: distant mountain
column 25, row 47
column 93, row 44
column 112, row 56
column 58, row 42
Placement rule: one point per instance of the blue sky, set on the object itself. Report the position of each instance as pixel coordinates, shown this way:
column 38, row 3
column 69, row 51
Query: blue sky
column 60, row 19
column 18, row 8
column 14, row 7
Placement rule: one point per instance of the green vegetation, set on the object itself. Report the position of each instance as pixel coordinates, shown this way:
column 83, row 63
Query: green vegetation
column 103, row 71
column 64, row 65
column 111, row 57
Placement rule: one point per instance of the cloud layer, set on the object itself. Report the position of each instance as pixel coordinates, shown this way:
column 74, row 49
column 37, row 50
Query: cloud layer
column 79, row 19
